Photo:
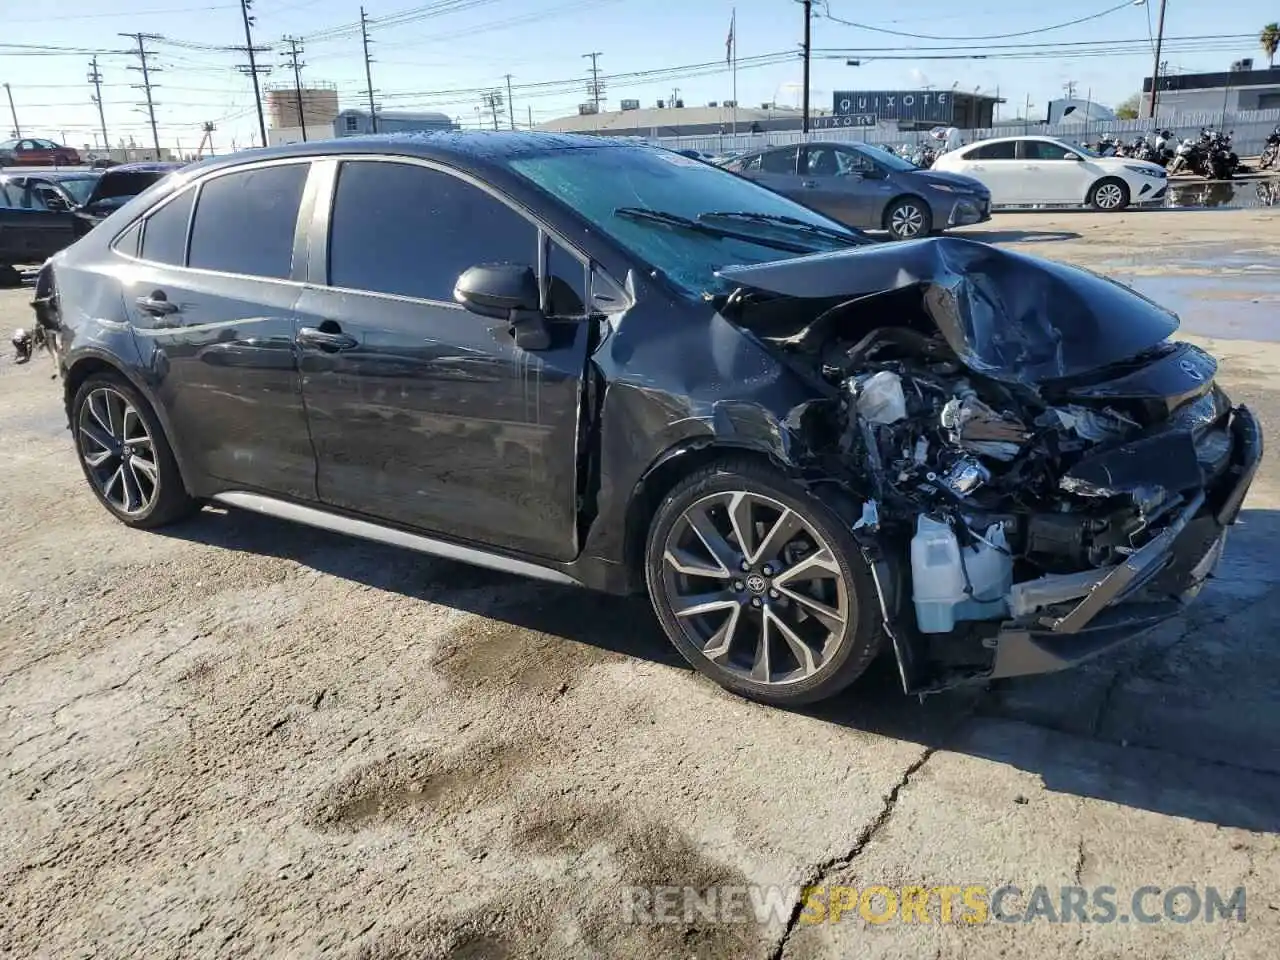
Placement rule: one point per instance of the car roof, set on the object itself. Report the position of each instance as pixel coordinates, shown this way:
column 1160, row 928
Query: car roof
column 52, row 175
column 467, row 148
column 144, row 166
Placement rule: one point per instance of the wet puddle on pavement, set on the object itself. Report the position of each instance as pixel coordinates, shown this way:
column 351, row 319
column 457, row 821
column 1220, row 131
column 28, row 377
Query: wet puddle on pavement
column 1234, row 194
column 1241, row 307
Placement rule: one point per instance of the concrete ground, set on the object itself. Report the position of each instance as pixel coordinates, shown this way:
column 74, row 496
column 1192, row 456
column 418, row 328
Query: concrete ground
column 238, row 737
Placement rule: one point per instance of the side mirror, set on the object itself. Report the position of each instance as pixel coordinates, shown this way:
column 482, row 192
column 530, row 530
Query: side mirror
column 506, row 291
column 1073, row 156
column 53, row 201
column 875, row 173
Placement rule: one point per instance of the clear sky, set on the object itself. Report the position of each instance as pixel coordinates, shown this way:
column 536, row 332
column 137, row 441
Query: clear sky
column 467, row 45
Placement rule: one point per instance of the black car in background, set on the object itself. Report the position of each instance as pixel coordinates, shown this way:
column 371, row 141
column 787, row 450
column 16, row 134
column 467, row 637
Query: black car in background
column 43, row 211
column 610, row 365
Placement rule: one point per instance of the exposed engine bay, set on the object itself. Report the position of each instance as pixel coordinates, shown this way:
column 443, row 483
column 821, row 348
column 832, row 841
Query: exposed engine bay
column 1014, row 437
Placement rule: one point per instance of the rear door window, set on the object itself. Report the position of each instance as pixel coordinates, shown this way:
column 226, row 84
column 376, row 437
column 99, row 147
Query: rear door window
column 779, row 161
column 1001, row 150
column 245, row 221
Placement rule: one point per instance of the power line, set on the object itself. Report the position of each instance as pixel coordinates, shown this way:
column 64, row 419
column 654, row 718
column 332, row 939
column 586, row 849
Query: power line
column 992, row 36
column 146, row 84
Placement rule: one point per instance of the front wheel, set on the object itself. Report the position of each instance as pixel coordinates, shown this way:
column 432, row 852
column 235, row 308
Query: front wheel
column 908, row 219
column 1109, row 195
column 760, row 586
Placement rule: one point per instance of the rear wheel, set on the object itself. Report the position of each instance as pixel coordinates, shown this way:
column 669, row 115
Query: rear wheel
column 760, row 586
column 124, row 454
column 908, row 218
column 1109, row 195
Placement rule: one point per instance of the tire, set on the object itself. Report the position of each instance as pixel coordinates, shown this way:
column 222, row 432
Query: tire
column 819, row 561
column 1110, row 195
column 9, row 276
column 908, row 214
column 113, row 445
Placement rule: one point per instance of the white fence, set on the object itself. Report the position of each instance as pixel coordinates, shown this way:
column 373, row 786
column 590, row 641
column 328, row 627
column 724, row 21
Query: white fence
column 1250, row 127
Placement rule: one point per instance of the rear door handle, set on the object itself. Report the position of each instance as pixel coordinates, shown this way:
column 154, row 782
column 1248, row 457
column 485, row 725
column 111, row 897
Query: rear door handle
column 326, row 340
column 811, row 184
column 977, row 166
column 157, row 304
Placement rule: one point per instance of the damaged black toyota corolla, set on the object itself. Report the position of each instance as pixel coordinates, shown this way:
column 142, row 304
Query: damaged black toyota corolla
column 606, row 364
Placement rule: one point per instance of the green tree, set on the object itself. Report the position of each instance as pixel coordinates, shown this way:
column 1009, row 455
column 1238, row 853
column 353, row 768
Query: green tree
column 1127, row 109
column 1269, row 40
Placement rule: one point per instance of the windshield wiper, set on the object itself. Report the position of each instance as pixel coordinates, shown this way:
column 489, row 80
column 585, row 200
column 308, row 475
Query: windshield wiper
column 667, row 219
column 782, row 220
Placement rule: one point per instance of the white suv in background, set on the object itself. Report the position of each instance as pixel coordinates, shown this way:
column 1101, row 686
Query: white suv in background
column 1041, row 170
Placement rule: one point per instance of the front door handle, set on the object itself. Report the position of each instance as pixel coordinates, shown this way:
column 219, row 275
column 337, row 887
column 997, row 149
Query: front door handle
column 811, row 184
column 157, row 304
column 326, row 339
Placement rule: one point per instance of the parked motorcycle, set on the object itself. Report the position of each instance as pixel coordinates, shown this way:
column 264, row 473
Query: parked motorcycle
column 924, row 156
column 1271, row 151
column 1164, row 148
column 1220, row 161
column 1108, row 146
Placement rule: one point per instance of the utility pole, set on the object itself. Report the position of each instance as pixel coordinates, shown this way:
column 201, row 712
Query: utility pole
column 146, row 84
column 594, row 90
column 529, row 106
column 17, row 130
column 96, row 79
column 493, row 103
column 808, row 18
column 295, row 48
column 253, row 69
column 368, row 72
column 1155, row 64
column 511, row 107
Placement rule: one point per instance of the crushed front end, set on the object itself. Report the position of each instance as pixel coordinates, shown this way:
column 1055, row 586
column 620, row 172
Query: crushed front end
column 1043, row 473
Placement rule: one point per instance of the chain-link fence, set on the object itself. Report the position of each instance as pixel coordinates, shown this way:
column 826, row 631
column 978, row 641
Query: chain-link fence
column 1250, row 129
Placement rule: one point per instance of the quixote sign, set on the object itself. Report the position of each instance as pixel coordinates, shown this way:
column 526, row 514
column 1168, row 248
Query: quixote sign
column 925, row 106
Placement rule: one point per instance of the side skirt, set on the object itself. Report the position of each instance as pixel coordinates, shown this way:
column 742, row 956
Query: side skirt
column 389, row 535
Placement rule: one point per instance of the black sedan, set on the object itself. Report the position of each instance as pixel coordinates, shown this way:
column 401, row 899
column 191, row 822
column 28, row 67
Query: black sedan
column 606, row 364
column 40, row 213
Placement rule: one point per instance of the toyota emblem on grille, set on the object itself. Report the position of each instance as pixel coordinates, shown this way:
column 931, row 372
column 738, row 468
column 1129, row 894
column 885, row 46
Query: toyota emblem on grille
column 1191, row 369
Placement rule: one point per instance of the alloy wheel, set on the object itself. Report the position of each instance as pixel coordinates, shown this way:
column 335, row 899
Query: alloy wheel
column 118, row 451
column 906, row 221
column 755, row 587
column 1109, row 196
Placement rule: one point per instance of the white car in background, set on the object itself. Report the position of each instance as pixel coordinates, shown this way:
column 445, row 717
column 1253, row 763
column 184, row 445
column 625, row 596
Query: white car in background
column 1041, row 170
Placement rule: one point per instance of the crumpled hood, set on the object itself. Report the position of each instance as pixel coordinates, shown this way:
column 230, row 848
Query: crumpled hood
column 1006, row 315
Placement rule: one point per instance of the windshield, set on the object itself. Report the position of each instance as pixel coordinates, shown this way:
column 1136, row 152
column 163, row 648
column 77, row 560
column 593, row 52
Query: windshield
column 123, row 184
column 78, row 188
column 599, row 181
column 887, row 159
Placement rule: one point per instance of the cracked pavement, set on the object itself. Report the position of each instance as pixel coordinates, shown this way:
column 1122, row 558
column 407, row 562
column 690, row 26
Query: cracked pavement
column 238, row 737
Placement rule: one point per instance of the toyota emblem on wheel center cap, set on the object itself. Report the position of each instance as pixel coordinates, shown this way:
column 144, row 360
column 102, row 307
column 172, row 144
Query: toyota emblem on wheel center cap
column 757, row 583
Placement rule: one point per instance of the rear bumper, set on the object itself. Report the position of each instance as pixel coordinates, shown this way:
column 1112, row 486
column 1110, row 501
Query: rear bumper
column 1153, row 585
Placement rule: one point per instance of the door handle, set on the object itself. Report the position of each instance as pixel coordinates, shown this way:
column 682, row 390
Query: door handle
column 325, row 339
column 157, row 304
column 977, row 166
column 811, row 184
